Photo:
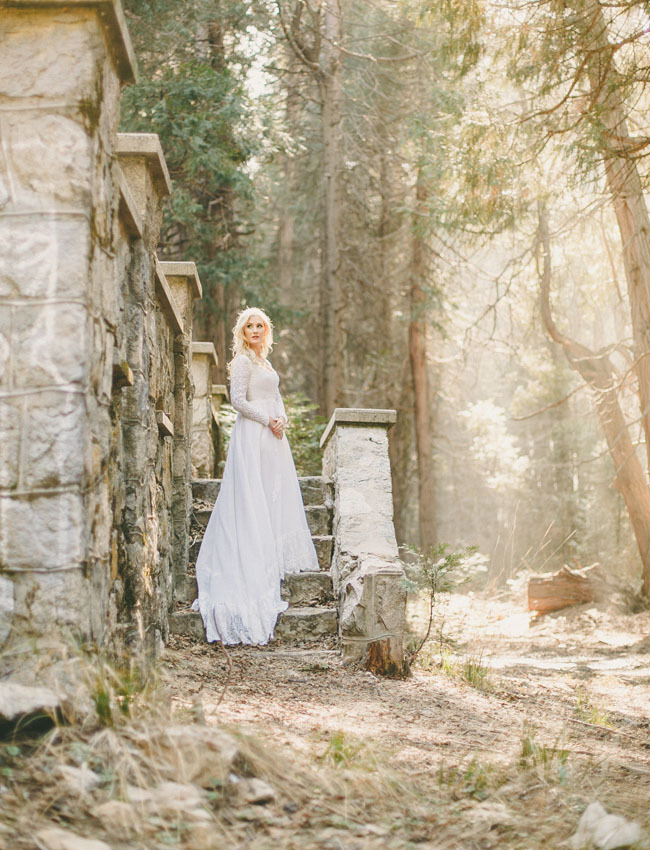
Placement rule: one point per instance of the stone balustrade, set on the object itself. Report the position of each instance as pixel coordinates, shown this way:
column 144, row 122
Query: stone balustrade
column 366, row 574
column 204, row 417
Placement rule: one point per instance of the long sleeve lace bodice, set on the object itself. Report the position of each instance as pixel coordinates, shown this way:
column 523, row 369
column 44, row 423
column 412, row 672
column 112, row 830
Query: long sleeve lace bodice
column 254, row 389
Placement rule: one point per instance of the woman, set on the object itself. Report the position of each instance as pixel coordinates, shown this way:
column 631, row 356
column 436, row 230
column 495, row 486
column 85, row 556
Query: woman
column 258, row 531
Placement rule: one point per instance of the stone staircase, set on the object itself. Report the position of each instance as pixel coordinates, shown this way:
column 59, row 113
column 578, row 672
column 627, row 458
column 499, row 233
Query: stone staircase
column 312, row 614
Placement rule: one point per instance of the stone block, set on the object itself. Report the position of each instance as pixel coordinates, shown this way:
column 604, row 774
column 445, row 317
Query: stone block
column 10, row 427
column 44, row 258
column 54, row 440
column 308, row 588
column 48, row 600
column 7, row 606
column 300, row 625
column 6, row 316
column 49, row 160
column 41, row 533
column 54, row 57
column 318, row 519
column 49, row 345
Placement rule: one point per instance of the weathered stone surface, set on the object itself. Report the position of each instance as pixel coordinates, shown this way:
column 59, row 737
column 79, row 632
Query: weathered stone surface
column 308, row 588
column 357, row 416
column 323, row 544
column 21, row 702
column 118, row 818
column 206, row 489
column 53, row 439
column 45, row 532
column 251, row 791
column 50, row 159
column 599, row 829
column 196, row 754
column 315, row 490
column 55, row 838
column 367, row 577
column 49, row 260
column 187, row 623
column 7, row 605
column 80, row 780
column 318, row 519
column 171, row 800
column 64, row 66
column 48, row 345
column 45, row 601
column 10, row 427
column 298, row 625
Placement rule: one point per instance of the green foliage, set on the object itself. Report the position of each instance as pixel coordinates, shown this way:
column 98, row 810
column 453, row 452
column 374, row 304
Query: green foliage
column 432, row 571
column 191, row 93
column 303, row 431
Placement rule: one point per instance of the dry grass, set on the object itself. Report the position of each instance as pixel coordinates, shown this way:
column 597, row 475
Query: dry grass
column 356, row 763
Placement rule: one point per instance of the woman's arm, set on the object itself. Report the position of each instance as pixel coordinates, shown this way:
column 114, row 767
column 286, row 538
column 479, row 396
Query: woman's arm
column 240, row 374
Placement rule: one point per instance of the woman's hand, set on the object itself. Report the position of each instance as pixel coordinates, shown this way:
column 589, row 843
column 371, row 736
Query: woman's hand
column 277, row 427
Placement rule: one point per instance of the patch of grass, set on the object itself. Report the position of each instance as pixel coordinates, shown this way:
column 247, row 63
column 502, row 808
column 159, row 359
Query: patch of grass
column 341, row 750
column 589, row 712
column 552, row 759
column 469, row 669
column 476, row 673
column 474, row 779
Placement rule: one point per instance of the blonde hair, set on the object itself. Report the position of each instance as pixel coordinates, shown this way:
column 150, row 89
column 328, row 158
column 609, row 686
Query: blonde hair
column 239, row 344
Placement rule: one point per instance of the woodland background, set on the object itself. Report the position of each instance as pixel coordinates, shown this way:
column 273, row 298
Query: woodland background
column 442, row 207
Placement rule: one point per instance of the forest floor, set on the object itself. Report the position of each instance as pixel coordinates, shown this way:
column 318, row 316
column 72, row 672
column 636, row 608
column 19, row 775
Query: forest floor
column 508, row 728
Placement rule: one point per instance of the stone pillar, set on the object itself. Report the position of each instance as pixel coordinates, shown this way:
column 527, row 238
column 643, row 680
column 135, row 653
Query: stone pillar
column 186, row 287
column 204, row 424
column 366, row 575
column 61, row 68
column 150, row 322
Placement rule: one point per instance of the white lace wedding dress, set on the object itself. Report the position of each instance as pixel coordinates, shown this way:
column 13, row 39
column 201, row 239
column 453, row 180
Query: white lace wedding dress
column 258, row 531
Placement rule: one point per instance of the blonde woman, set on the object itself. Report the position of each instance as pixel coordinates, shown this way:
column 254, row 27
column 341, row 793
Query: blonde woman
column 258, row 530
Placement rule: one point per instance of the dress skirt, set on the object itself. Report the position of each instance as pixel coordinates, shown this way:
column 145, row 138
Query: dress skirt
column 256, row 535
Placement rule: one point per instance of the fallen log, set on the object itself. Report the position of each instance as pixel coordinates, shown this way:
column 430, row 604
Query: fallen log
column 564, row 588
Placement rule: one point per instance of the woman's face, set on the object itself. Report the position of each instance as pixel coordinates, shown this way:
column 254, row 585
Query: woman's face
column 254, row 331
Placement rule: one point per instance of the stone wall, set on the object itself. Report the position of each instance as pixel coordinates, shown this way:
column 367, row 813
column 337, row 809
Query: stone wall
column 95, row 335
column 367, row 576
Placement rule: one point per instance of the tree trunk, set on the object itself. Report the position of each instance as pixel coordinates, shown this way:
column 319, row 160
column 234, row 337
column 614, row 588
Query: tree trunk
column 597, row 371
column 625, row 188
column 420, row 371
column 330, row 83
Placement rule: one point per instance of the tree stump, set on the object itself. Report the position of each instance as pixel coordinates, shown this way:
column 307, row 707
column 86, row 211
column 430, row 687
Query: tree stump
column 383, row 659
column 565, row 588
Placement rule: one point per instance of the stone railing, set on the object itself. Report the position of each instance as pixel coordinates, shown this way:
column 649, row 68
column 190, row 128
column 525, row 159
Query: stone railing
column 205, row 441
column 367, row 577
column 95, row 343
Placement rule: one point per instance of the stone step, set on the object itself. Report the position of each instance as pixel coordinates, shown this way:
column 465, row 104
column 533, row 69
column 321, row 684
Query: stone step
column 308, row 589
column 300, row 625
column 318, row 518
column 300, row 589
column 322, row 544
column 296, row 625
column 315, row 490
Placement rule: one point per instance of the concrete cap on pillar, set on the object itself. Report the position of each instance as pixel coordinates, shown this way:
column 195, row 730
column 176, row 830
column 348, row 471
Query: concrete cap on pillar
column 366, row 416
column 146, row 146
column 186, row 270
column 207, row 349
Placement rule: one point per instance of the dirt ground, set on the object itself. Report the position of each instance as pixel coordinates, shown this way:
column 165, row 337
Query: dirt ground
column 507, row 729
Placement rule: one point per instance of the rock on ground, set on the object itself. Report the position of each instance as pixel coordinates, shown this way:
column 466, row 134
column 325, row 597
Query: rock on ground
column 604, row 831
column 54, row 838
